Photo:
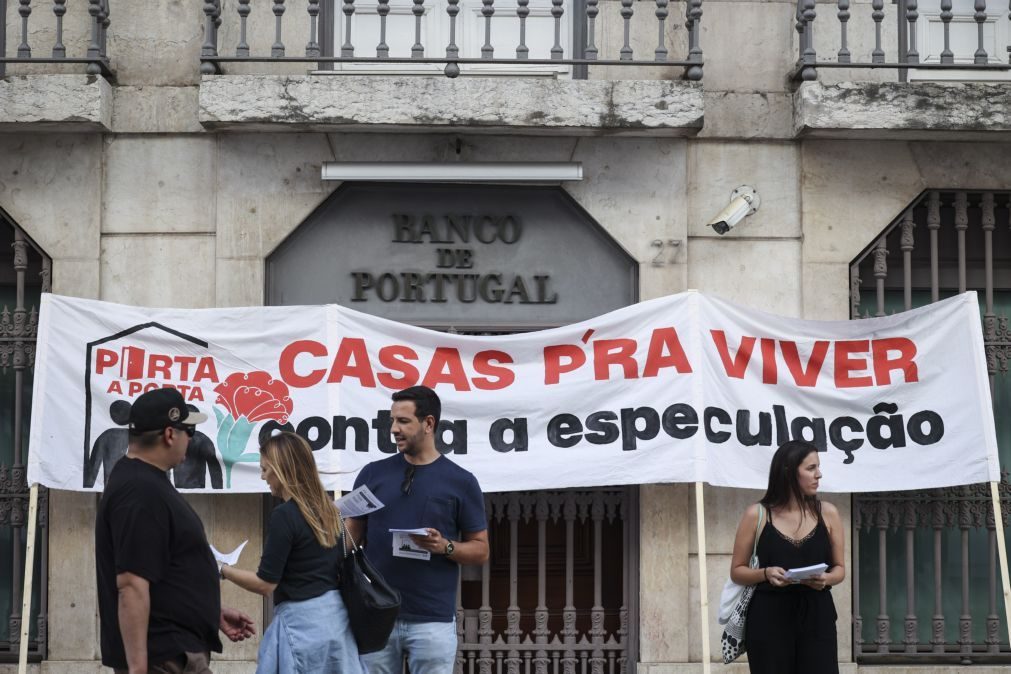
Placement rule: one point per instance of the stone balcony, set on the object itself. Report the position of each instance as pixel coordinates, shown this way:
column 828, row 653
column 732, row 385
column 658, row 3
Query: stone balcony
column 55, row 102
column 54, row 66
column 903, row 110
column 478, row 104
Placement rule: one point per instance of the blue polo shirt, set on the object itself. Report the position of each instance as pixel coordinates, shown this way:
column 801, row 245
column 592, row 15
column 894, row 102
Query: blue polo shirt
column 443, row 496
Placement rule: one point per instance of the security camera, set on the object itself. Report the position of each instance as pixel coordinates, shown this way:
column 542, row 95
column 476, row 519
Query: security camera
column 743, row 202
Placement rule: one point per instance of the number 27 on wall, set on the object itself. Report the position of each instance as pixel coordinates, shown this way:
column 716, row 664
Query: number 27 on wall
column 666, row 253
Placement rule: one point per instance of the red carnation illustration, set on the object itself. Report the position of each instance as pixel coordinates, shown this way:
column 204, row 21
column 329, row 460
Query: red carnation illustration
column 256, row 396
column 249, row 398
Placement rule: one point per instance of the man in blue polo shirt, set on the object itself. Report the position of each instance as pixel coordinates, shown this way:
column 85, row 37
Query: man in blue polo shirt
column 421, row 489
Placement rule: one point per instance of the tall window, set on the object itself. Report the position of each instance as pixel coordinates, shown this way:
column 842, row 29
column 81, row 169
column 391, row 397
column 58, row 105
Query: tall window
column 25, row 273
column 926, row 579
column 560, row 590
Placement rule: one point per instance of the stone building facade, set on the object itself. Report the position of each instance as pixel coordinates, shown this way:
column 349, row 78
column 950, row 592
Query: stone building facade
column 150, row 169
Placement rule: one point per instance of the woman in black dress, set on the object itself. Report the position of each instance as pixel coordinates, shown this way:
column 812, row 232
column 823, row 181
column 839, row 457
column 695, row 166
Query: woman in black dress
column 790, row 627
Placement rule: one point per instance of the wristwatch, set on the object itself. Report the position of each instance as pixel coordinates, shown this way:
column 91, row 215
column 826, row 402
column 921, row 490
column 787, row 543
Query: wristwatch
column 450, row 549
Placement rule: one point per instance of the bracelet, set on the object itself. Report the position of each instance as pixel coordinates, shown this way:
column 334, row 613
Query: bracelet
column 765, row 572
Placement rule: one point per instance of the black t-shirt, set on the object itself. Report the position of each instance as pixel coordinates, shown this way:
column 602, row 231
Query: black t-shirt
column 294, row 559
column 145, row 527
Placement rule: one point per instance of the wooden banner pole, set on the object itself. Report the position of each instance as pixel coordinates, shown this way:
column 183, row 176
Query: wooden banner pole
column 26, row 602
column 700, row 525
column 998, row 519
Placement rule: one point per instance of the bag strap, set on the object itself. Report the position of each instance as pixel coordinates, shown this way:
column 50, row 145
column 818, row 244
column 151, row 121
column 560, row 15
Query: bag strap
column 758, row 529
column 346, row 532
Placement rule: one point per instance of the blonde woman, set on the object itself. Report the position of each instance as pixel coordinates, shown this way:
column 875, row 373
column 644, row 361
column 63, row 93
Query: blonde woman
column 300, row 566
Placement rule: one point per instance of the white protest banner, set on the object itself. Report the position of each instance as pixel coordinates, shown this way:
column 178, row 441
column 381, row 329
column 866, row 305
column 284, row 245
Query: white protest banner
column 679, row 389
column 511, row 404
column 897, row 402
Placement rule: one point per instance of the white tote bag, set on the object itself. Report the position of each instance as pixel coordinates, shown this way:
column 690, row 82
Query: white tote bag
column 734, row 602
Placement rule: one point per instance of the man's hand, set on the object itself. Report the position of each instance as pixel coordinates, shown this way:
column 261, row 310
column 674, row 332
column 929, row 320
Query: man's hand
column 471, row 549
column 236, row 625
column 433, row 542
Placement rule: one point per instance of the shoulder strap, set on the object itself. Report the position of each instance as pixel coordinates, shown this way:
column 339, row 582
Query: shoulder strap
column 758, row 529
column 344, row 532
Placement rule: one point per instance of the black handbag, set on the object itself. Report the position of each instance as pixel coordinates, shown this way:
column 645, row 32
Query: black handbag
column 372, row 603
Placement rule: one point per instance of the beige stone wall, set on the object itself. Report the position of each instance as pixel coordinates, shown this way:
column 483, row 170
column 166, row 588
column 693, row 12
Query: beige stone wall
column 138, row 213
column 159, row 211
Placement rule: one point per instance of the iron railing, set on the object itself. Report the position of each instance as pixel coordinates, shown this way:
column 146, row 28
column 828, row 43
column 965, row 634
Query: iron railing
column 51, row 15
column 941, row 521
column 558, row 594
column 575, row 22
column 925, row 583
column 906, row 54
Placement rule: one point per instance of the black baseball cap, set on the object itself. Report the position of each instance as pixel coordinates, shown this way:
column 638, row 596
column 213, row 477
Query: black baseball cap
column 160, row 408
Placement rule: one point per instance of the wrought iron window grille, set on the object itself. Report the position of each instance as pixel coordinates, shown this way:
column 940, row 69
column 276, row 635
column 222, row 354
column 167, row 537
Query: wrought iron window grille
column 925, row 583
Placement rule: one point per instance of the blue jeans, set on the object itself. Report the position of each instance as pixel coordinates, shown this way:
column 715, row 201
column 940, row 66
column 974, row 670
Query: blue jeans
column 430, row 649
column 309, row 637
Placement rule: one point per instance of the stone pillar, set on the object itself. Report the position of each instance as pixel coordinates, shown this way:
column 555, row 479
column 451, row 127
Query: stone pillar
column 73, row 601
column 664, row 573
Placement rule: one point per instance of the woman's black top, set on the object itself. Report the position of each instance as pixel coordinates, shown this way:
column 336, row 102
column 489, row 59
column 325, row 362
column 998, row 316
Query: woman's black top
column 777, row 549
column 294, row 559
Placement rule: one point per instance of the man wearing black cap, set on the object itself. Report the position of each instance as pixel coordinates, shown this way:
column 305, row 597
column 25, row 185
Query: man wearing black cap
column 159, row 596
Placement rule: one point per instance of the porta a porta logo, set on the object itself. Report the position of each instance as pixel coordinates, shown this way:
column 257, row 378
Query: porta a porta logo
column 248, row 399
column 122, row 366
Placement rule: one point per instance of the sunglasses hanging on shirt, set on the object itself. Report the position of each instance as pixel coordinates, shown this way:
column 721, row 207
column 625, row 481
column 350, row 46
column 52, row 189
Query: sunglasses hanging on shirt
column 405, row 486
